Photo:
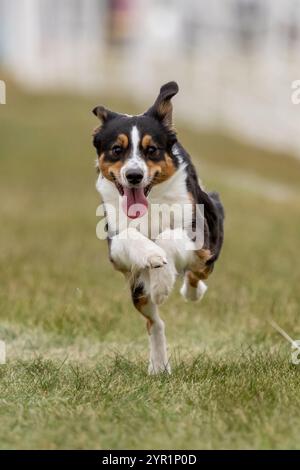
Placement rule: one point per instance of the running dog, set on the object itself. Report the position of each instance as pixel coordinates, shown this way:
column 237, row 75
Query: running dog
column 142, row 165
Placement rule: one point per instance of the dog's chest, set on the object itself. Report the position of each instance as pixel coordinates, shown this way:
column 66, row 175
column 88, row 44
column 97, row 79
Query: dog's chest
column 169, row 207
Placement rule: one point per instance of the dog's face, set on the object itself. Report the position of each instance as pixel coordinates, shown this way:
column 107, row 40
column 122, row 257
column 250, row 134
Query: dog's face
column 134, row 152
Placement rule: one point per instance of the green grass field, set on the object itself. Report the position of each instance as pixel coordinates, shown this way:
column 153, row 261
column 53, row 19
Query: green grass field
column 77, row 350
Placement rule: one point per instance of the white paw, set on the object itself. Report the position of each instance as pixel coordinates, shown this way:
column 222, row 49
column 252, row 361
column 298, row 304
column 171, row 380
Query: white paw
column 193, row 293
column 156, row 367
column 156, row 261
column 161, row 284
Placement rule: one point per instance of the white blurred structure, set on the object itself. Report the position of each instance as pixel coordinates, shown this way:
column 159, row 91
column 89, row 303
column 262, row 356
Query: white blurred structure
column 48, row 43
column 235, row 60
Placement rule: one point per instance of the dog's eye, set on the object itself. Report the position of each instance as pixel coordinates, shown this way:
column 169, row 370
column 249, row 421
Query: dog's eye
column 151, row 150
column 117, row 150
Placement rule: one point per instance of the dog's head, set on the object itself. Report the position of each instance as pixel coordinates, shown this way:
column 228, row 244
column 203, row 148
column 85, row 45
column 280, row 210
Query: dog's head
column 135, row 152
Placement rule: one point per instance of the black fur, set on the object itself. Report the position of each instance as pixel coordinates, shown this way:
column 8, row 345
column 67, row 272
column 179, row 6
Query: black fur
column 137, row 291
column 109, row 131
column 213, row 208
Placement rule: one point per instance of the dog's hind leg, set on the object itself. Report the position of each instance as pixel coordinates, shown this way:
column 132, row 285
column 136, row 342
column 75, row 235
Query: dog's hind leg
column 158, row 361
column 192, row 288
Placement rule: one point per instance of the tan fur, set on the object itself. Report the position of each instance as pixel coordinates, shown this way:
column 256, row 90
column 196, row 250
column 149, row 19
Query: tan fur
column 200, row 270
column 147, row 141
column 149, row 325
column 162, row 170
column 192, row 279
column 140, row 303
column 122, row 140
column 108, row 169
column 165, row 109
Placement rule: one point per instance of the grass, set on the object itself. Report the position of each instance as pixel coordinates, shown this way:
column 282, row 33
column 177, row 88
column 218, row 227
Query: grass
column 77, row 351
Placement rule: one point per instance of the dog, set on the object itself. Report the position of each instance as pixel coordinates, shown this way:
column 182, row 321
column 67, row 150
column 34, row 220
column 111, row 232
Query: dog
column 141, row 164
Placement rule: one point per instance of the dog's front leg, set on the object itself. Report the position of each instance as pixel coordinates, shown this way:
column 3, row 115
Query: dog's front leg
column 132, row 251
column 158, row 361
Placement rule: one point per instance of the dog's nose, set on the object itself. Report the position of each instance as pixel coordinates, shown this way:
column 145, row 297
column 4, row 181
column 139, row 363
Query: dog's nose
column 134, row 177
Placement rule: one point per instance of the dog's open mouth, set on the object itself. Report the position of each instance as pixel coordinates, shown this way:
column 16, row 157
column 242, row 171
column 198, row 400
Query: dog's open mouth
column 134, row 200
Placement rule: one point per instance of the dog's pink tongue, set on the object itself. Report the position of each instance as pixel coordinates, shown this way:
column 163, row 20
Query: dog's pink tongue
column 134, row 202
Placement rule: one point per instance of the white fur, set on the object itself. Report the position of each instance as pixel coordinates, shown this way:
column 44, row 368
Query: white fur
column 134, row 162
column 158, row 360
column 165, row 195
column 171, row 193
column 135, row 141
column 193, row 293
column 158, row 348
column 130, row 250
column 176, row 152
column 174, row 243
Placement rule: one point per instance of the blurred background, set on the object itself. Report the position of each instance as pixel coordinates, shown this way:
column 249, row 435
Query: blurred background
column 236, row 58
column 63, row 309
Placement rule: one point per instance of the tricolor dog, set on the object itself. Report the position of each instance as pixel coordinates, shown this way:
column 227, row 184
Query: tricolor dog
column 142, row 166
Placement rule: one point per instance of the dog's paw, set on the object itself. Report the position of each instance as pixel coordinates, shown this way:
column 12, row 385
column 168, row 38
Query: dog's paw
column 156, row 260
column 189, row 292
column 155, row 257
column 161, row 284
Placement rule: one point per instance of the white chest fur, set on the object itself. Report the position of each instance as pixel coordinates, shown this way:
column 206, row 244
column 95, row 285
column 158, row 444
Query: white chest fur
column 169, row 207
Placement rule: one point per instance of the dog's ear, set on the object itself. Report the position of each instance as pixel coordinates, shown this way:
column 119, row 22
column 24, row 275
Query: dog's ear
column 162, row 108
column 104, row 114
